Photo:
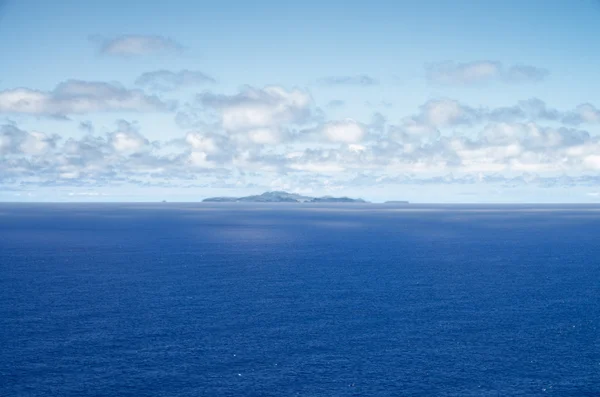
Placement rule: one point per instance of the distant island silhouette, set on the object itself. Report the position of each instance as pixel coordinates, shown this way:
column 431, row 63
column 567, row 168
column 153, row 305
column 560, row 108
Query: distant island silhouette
column 282, row 197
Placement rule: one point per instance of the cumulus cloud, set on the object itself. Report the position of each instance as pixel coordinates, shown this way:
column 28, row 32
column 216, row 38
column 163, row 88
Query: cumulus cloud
column 410, row 131
column 345, row 131
column 525, row 147
column 532, row 109
column 209, row 149
column 535, row 109
column 136, row 45
column 498, row 152
column 273, row 132
column 202, row 142
column 127, row 138
column 584, row 113
column 469, row 73
column 78, row 97
column 110, row 158
column 524, row 74
column 260, row 115
column 14, row 141
column 446, row 112
column 357, row 80
column 463, row 73
column 166, row 80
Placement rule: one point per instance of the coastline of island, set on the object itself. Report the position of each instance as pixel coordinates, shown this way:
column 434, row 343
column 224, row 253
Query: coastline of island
column 282, row 197
column 285, row 197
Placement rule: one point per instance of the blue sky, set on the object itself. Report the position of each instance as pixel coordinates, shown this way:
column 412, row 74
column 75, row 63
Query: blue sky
column 431, row 101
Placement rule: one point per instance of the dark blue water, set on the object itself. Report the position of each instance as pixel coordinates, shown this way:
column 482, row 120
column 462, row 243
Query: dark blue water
column 286, row 300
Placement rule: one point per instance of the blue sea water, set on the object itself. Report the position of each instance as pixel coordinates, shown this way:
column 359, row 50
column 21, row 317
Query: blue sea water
column 299, row 300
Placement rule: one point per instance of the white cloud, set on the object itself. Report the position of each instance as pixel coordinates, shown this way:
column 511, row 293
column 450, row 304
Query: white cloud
column 128, row 140
column 446, row 112
column 37, row 143
column 345, row 131
column 78, row 97
column 200, row 160
column 265, row 136
column 463, row 73
column 166, row 80
column 411, row 130
column 592, row 161
column 524, row 74
column 136, row 45
column 255, row 108
column 14, row 141
column 257, row 116
column 584, row 113
column 273, row 132
column 209, row 150
column 202, row 143
column 319, row 168
column 476, row 72
column 356, row 148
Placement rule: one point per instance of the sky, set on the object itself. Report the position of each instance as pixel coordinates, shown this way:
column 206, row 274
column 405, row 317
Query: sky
column 428, row 101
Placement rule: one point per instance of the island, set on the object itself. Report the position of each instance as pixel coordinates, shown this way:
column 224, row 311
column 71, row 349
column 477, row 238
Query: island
column 396, row 202
column 282, row 197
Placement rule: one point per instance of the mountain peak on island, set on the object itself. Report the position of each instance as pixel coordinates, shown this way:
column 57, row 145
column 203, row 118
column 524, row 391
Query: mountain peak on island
column 278, row 196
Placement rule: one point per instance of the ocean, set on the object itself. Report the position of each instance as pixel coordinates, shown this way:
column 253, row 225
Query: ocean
column 299, row 300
